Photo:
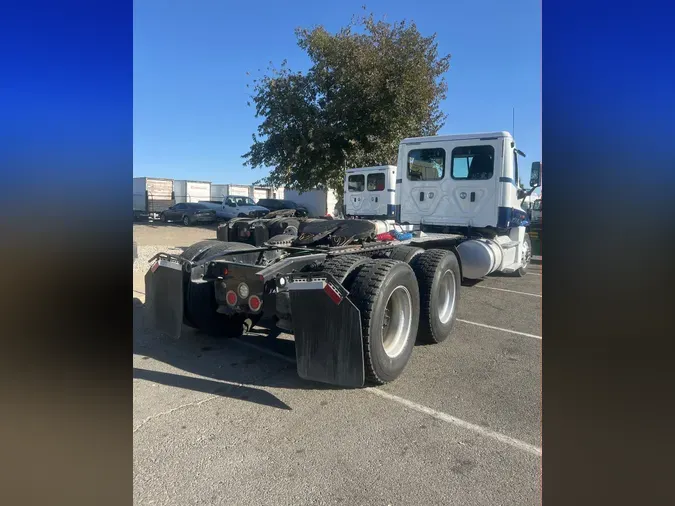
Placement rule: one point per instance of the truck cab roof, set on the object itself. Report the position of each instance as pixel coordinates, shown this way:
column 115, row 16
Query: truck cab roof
column 457, row 137
column 371, row 169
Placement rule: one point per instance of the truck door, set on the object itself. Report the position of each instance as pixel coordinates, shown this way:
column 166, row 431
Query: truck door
column 424, row 170
column 375, row 200
column 356, row 184
column 452, row 183
column 229, row 207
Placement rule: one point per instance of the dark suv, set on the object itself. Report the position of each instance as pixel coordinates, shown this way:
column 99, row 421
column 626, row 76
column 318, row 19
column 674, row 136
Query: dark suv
column 278, row 204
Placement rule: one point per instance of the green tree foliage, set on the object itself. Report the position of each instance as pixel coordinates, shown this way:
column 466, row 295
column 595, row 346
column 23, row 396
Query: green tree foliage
column 370, row 85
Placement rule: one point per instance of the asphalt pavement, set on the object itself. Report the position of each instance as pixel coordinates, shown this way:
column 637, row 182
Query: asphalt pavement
column 229, row 421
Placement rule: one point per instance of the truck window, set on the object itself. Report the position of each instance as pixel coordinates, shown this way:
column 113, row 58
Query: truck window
column 375, row 182
column 473, row 162
column 356, row 183
column 426, row 164
column 516, row 177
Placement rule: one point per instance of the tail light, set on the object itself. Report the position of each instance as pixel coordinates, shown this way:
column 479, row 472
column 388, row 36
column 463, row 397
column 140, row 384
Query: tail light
column 254, row 303
column 231, row 298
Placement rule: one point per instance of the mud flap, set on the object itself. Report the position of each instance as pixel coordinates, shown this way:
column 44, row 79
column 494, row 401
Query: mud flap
column 328, row 339
column 164, row 298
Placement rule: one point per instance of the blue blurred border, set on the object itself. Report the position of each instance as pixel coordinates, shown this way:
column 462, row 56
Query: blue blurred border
column 67, row 101
column 608, row 127
column 66, row 162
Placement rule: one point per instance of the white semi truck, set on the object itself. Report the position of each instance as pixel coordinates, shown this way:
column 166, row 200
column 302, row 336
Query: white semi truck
column 356, row 305
column 370, row 192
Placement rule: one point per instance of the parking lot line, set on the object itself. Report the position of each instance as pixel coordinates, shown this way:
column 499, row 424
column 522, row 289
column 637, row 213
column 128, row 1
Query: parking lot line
column 439, row 415
column 516, row 443
column 533, row 273
column 499, row 328
column 505, row 290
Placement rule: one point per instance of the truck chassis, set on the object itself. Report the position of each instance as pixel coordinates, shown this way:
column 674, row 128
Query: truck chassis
column 355, row 310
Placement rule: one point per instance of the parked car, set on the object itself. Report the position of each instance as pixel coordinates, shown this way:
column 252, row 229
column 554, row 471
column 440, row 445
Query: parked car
column 235, row 206
column 279, row 204
column 189, row 213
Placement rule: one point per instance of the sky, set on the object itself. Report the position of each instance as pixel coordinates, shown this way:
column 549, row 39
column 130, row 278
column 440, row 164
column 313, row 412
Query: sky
column 191, row 58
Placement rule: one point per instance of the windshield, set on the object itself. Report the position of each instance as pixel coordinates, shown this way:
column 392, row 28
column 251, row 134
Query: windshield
column 241, row 201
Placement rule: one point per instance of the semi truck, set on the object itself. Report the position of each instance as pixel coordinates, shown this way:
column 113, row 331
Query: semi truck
column 356, row 304
column 370, row 192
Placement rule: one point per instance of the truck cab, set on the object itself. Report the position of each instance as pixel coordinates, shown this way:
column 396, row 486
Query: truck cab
column 370, row 192
column 463, row 181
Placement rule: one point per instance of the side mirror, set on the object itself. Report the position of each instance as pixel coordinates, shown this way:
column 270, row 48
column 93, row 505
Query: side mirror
column 535, row 174
column 521, row 193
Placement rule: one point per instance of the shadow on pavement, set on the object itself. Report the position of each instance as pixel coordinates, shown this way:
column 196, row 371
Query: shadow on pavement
column 225, row 368
column 207, row 386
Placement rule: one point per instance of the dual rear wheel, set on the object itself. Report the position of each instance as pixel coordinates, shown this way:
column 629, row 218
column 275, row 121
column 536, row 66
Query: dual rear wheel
column 400, row 302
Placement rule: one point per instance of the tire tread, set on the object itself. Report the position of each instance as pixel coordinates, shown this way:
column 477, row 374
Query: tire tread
column 365, row 288
column 425, row 266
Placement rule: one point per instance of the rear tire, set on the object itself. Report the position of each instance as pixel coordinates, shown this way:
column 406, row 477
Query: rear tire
column 405, row 253
column 200, row 298
column 162, row 218
column 439, row 278
column 387, row 295
column 344, row 268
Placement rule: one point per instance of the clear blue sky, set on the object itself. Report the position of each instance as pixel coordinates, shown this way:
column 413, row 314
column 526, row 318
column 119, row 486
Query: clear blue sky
column 191, row 120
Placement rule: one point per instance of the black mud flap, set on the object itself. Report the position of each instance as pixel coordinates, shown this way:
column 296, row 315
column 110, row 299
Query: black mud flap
column 327, row 328
column 164, row 297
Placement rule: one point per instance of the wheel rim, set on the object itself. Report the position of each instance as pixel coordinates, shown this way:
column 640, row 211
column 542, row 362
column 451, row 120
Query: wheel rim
column 397, row 319
column 186, row 220
column 446, row 296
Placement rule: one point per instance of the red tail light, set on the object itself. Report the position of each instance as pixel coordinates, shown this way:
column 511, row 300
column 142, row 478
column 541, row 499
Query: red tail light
column 254, row 303
column 231, row 298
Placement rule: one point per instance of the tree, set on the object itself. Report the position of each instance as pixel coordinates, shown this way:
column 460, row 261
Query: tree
column 370, row 85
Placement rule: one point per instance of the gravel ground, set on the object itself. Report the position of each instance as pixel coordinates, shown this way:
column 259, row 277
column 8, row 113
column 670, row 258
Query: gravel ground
column 145, row 253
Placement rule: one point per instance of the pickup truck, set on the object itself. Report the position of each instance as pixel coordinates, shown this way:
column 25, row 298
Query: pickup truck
column 235, row 206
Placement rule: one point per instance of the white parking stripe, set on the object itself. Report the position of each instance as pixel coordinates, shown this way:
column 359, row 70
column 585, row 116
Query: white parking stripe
column 534, row 273
column 505, row 290
column 439, row 415
column 516, row 443
column 499, row 328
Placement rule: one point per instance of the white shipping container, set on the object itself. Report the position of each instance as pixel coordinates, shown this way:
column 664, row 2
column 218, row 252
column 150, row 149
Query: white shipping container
column 191, row 191
column 158, row 192
column 240, row 190
column 318, row 202
column 218, row 191
column 261, row 193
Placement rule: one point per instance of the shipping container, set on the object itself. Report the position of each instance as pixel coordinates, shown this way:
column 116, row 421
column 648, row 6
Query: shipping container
column 218, row 191
column 318, row 202
column 191, row 191
column 240, row 190
column 260, row 192
column 152, row 195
